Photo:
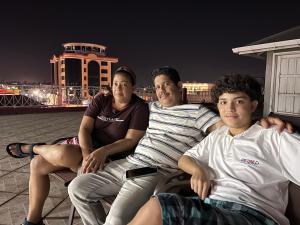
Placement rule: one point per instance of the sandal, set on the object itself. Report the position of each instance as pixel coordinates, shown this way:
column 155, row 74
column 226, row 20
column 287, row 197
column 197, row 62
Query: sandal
column 26, row 222
column 19, row 153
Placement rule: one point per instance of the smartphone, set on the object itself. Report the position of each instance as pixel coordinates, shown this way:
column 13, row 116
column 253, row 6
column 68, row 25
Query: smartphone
column 141, row 172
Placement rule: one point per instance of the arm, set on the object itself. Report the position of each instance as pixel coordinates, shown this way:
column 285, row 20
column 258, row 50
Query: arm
column 215, row 126
column 200, row 182
column 289, row 155
column 264, row 122
column 98, row 157
column 85, row 135
column 136, row 129
column 281, row 125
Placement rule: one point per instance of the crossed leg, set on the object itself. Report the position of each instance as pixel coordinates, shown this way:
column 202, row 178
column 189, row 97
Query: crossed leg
column 50, row 158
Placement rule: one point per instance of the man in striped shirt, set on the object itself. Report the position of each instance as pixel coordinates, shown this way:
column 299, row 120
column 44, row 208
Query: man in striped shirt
column 173, row 128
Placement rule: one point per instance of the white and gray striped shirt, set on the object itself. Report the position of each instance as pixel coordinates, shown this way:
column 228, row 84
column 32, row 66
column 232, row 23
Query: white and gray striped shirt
column 170, row 133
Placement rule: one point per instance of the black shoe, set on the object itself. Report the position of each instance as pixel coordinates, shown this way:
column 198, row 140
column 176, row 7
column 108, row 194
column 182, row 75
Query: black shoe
column 26, row 222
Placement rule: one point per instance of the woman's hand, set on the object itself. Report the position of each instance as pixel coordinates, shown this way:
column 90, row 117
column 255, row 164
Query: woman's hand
column 84, row 156
column 200, row 183
column 94, row 161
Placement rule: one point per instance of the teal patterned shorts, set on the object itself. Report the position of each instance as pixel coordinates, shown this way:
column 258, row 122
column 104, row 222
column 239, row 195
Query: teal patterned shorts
column 178, row 210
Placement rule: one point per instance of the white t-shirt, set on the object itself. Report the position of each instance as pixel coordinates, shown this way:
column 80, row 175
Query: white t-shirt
column 172, row 131
column 253, row 168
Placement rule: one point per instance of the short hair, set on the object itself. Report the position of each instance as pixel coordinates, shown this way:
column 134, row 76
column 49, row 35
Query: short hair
column 127, row 72
column 237, row 83
column 168, row 71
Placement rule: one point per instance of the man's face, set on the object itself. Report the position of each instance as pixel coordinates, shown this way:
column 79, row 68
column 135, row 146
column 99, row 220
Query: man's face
column 236, row 110
column 167, row 92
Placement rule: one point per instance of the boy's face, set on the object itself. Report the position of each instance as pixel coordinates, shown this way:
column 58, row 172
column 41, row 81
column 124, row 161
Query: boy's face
column 167, row 92
column 235, row 110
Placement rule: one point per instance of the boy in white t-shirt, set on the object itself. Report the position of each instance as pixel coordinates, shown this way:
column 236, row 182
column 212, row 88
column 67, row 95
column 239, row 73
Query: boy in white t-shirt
column 246, row 168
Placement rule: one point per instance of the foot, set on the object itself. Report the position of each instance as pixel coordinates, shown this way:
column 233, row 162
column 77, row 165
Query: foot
column 21, row 150
column 23, row 147
column 26, row 222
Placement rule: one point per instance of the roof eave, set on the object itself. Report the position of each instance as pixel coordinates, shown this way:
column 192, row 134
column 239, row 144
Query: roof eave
column 260, row 48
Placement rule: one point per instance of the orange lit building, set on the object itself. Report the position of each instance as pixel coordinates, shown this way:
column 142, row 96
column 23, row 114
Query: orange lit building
column 84, row 65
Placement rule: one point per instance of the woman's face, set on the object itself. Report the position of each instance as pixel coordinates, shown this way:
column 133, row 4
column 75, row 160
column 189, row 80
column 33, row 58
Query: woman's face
column 122, row 88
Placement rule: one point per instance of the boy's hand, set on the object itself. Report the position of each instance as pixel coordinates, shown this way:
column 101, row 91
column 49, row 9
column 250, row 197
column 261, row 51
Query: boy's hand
column 200, row 183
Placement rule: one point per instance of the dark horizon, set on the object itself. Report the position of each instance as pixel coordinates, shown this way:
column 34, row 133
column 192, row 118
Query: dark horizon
column 194, row 38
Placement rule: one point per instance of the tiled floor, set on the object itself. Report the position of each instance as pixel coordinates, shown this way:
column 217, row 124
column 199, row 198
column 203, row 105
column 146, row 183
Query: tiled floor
column 14, row 173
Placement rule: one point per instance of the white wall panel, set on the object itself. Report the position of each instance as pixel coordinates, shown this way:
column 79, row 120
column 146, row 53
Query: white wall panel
column 297, row 105
column 287, row 90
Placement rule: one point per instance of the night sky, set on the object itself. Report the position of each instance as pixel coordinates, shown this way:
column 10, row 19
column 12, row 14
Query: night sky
column 196, row 38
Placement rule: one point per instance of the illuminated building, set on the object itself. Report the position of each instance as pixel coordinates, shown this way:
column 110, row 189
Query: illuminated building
column 84, row 65
column 198, row 92
column 194, row 87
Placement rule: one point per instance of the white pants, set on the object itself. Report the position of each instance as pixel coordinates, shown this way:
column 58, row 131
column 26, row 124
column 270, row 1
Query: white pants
column 86, row 190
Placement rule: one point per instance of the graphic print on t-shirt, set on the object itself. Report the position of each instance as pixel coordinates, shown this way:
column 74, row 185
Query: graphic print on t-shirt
column 107, row 119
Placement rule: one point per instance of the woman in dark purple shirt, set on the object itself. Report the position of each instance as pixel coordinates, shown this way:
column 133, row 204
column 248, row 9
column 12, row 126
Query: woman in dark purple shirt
column 111, row 124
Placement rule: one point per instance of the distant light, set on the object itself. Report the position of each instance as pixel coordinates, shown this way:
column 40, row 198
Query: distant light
column 36, row 92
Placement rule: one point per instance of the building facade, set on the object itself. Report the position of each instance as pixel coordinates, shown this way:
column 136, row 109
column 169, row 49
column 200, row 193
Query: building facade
column 282, row 80
column 198, row 92
column 193, row 87
column 83, row 65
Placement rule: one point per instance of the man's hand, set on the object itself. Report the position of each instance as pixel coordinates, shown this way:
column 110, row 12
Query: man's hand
column 94, row 161
column 200, row 183
column 281, row 125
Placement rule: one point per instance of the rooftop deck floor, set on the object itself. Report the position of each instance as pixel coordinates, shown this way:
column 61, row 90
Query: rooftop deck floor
column 14, row 173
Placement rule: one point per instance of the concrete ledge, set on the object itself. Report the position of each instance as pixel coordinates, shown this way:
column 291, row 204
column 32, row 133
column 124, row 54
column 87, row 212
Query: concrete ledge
column 28, row 110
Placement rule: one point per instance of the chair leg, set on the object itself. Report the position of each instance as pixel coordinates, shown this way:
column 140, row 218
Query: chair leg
column 71, row 215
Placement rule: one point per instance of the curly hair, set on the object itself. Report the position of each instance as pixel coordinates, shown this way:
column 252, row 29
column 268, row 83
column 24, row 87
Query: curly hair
column 237, row 83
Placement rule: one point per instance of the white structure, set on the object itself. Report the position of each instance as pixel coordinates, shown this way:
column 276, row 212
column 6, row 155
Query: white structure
column 282, row 80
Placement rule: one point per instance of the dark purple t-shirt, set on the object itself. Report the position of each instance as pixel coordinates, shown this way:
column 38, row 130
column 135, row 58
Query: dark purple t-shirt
column 112, row 125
